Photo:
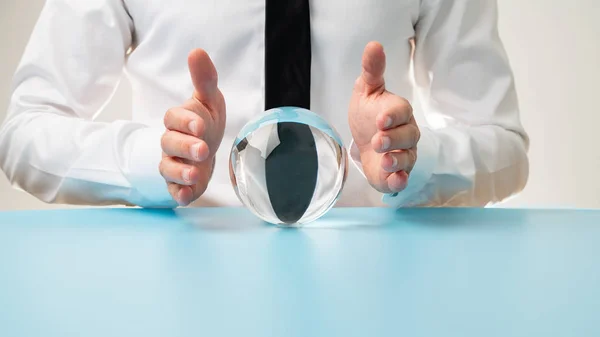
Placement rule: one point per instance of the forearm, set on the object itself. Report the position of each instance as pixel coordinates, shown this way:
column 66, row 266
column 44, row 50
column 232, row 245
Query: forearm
column 61, row 159
column 466, row 166
column 50, row 145
column 476, row 152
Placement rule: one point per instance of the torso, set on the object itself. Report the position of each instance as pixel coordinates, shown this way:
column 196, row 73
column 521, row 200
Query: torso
column 232, row 32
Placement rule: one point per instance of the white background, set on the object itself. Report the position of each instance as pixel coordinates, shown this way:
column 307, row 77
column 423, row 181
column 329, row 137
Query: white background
column 554, row 47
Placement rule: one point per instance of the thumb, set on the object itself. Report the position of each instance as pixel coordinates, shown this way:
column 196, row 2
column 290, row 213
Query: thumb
column 373, row 68
column 204, row 76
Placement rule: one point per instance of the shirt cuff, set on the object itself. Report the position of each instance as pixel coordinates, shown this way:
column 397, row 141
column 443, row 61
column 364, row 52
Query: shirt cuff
column 144, row 175
column 427, row 159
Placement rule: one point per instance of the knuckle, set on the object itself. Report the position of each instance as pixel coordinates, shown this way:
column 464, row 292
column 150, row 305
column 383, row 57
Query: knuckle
column 402, row 117
column 412, row 157
column 201, row 125
column 417, row 135
column 169, row 115
column 391, row 112
column 164, row 140
column 400, row 113
column 404, row 102
column 406, row 105
column 404, row 109
column 161, row 167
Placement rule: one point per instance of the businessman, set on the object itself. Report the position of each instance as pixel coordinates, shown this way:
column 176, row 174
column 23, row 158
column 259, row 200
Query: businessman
column 200, row 70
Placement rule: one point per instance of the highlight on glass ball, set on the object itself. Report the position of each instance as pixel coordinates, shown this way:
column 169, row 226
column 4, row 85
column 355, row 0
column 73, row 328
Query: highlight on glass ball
column 288, row 166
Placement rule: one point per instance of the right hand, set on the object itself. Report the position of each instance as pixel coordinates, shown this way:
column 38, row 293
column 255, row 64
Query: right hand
column 194, row 133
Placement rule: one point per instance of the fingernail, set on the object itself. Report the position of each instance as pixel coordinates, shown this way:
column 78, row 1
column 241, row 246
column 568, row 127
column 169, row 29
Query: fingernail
column 186, row 175
column 394, row 162
column 194, row 149
column 394, row 167
column 388, row 122
column 193, row 126
column 385, row 143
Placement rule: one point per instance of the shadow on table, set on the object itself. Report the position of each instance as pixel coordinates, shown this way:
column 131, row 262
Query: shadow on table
column 221, row 219
column 240, row 219
column 373, row 218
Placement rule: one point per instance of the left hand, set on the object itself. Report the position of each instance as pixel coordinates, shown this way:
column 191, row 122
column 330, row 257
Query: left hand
column 382, row 125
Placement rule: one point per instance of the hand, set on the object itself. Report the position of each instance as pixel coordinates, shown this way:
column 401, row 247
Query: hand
column 382, row 125
column 194, row 133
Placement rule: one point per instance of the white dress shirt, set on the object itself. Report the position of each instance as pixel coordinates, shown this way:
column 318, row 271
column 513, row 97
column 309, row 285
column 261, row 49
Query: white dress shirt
column 473, row 149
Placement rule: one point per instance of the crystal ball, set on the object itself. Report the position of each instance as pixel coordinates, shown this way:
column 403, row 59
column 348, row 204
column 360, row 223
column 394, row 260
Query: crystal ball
column 288, row 166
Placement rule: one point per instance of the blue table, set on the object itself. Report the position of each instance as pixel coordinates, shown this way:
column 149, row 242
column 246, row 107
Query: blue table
column 356, row 272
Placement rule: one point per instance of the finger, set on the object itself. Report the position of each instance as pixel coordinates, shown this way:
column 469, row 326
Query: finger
column 184, row 121
column 183, row 195
column 397, row 181
column 392, row 182
column 175, row 171
column 177, row 144
column 373, row 67
column 196, row 107
column 173, row 189
column 398, row 161
column 204, row 76
column 205, row 170
column 396, row 111
column 400, row 138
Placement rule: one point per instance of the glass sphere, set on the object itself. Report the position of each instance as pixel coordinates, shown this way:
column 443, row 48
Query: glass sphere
column 288, row 166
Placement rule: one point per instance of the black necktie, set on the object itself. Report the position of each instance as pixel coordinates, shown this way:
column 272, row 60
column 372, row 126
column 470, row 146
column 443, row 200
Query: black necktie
column 287, row 54
column 292, row 167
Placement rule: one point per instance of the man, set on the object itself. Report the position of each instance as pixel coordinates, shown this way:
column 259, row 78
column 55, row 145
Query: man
column 201, row 69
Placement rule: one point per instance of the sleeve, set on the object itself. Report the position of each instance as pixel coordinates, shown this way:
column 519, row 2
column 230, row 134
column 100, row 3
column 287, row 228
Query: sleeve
column 474, row 151
column 50, row 145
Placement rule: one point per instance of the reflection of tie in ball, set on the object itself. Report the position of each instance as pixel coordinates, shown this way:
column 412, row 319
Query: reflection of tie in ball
column 288, row 166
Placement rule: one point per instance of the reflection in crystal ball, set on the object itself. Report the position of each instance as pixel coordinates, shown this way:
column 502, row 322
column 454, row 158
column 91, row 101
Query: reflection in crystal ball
column 288, row 166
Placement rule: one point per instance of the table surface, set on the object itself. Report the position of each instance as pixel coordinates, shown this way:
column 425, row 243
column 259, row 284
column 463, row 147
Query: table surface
column 355, row 272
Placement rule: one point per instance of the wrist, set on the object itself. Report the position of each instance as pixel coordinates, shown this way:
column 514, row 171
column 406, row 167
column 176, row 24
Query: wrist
column 143, row 172
column 416, row 191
